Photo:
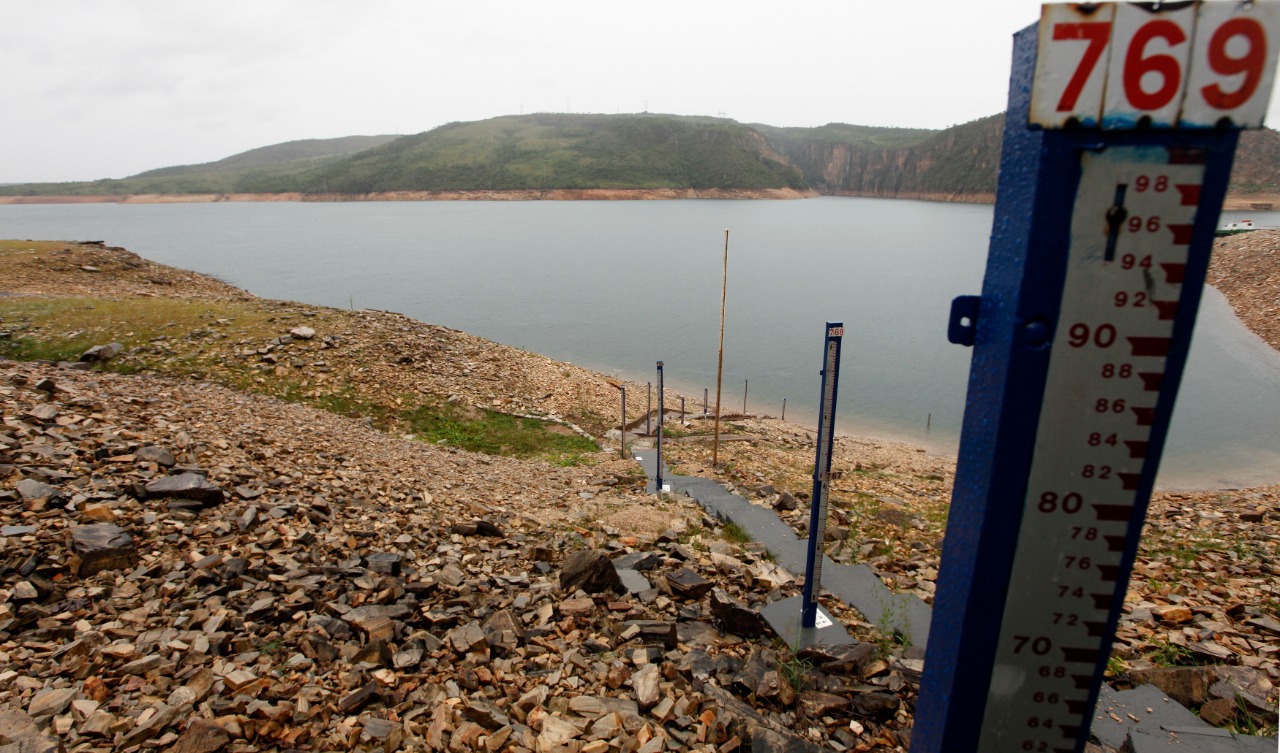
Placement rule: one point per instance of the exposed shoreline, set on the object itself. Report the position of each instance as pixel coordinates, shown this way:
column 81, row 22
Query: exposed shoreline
column 1235, row 202
column 549, row 194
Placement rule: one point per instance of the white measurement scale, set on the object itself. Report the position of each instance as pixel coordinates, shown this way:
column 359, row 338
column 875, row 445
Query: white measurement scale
column 1128, row 256
column 1122, row 125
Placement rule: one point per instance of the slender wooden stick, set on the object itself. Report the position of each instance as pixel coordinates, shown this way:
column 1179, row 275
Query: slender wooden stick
column 724, row 289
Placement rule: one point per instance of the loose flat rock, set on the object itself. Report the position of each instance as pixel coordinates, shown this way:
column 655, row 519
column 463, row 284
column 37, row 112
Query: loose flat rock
column 155, row 454
column 590, row 570
column 49, row 702
column 816, row 704
column 31, row 489
column 633, row 581
column 191, row 486
column 1186, row 685
column 19, row 733
column 202, row 736
column 102, row 353
column 646, row 684
column 688, row 584
column 385, row 562
column 735, row 617
column 844, row 659
column 101, row 546
column 876, row 704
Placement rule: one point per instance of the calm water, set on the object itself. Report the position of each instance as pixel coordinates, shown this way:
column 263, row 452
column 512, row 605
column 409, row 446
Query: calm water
column 616, row 286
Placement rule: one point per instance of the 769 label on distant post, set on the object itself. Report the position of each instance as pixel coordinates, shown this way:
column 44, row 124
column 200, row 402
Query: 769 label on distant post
column 1161, row 65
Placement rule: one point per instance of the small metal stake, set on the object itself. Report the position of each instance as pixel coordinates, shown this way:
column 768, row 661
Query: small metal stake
column 648, row 410
column 622, row 443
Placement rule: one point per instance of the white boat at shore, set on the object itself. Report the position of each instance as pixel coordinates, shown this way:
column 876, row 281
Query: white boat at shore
column 1235, row 228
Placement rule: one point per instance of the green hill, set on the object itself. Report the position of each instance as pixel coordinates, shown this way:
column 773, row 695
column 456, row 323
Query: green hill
column 549, row 151
column 246, row 172
column 566, row 151
column 308, row 153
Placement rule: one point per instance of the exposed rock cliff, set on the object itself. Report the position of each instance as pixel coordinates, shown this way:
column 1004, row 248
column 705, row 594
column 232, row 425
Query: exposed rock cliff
column 959, row 163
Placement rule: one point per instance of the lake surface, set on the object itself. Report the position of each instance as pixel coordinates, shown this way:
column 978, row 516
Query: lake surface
column 616, row 286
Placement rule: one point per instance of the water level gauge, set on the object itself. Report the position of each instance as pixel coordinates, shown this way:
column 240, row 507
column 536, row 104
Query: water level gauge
column 1122, row 125
column 1131, row 228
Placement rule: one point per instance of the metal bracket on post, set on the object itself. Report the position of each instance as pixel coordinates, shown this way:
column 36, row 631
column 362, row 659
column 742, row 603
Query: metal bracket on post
column 1111, row 182
column 800, row 620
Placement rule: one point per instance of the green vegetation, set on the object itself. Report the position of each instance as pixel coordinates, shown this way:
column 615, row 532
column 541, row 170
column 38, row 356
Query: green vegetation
column 1166, row 654
column 182, row 337
column 566, row 151
column 268, row 169
column 894, row 624
column 735, row 533
column 795, row 670
column 676, row 431
column 496, row 433
column 151, row 329
column 634, row 151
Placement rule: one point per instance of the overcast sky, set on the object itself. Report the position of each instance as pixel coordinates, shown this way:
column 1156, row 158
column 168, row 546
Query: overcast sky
column 108, row 88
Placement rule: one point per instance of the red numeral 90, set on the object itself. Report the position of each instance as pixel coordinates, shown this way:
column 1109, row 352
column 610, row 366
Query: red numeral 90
column 1104, row 336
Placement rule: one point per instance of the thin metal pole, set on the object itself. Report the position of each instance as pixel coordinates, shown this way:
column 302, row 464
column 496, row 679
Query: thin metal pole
column 682, row 410
column 648, row 410
column 745, row 384
column 724, row 290
column 704, row 401
column 821, row 475
column 658, row 473
column 784, row 409
column 622, row 446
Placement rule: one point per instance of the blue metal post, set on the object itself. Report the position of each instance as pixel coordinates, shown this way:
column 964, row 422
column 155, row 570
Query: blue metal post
column 821, row 473
column 658, row 473
column 1017, row 652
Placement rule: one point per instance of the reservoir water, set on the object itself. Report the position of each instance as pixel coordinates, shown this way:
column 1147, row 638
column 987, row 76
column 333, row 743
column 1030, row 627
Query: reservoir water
column 616, row 286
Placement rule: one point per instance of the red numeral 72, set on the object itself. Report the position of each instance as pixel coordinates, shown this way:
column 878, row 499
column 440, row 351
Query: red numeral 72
column 1096, row 33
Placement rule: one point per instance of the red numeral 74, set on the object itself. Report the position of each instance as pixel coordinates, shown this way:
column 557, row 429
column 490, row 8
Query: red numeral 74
column 1096, row 33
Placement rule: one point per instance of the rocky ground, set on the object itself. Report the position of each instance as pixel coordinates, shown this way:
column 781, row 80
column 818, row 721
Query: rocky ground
column 189, row 562
column 1246, row 268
